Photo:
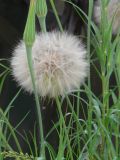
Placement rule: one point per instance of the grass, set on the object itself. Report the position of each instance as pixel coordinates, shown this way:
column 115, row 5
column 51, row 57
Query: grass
column 97, row 135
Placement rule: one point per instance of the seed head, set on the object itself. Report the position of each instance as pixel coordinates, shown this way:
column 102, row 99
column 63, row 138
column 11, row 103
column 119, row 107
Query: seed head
column 113, row 14
column 59, row 61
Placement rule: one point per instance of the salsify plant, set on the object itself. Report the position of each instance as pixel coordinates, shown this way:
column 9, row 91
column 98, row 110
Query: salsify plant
column 29, row 37
column 52, row 59
column 55, row 66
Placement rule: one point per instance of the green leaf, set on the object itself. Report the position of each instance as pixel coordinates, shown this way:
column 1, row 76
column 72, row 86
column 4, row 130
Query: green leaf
column 2, row 80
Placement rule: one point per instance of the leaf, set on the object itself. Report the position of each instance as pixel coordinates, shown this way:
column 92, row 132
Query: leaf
column 2, row 80
column 97, row 108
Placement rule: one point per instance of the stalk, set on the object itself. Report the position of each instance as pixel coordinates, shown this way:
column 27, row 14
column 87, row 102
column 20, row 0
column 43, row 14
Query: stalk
column 41, row 11
column 77, row 123
column 105, row 88
column 29, row 38
column 56, row 15
column 42, row 24
column 104, row 76
column 39, row 116
column 89, row 76
column 61, row 141
column 64, row 126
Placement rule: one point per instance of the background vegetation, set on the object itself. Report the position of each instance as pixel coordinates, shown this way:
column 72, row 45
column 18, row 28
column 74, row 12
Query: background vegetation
column 96, row 134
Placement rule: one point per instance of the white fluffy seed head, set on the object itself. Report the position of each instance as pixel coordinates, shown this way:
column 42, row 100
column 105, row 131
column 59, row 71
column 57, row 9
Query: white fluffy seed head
column 113, row 14
column 59, row 61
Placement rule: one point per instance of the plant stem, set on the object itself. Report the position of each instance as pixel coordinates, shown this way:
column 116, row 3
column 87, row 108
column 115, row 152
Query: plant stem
column 31, row 69
column 56, row 15
column 42, row 24
column 77, row 123
column 89, row 76
column 61, row 141
column 64, row 126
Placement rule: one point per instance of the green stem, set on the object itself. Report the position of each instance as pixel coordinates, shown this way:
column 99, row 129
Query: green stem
column 105, row 90
column 42, row 21
column 105, row 106
column 56, row 15
column 77, row 124
column 64, row 126
column 61, row 141
column 31, row 69
column 89, row 76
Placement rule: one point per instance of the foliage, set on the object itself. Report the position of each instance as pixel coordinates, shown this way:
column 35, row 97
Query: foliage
column 97, row 136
